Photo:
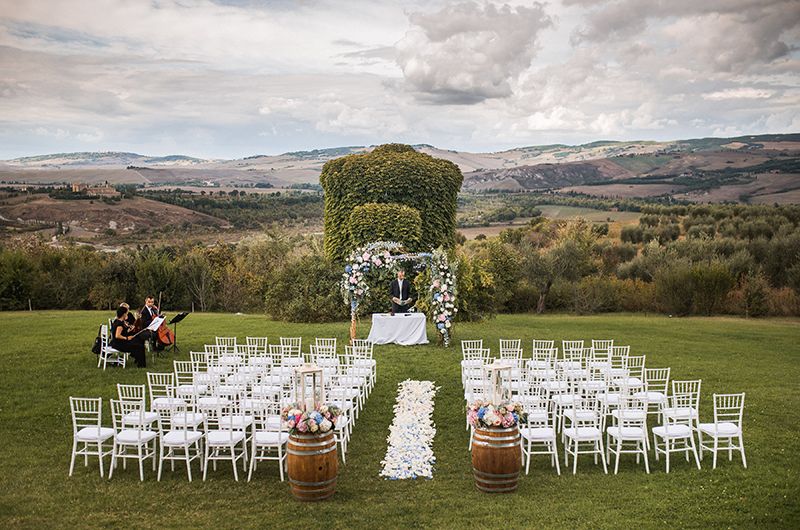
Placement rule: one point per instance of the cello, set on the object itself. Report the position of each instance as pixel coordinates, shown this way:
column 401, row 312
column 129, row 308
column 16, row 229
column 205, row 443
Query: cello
column 164, row 335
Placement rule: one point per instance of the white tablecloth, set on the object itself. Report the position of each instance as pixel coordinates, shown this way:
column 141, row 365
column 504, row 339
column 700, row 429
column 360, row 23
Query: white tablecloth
column 404, row 329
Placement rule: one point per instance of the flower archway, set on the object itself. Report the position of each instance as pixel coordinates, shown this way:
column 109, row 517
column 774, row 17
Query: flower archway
column 378, row 255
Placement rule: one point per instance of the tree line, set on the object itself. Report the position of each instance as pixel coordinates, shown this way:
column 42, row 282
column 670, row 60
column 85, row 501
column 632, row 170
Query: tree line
column 719, row 259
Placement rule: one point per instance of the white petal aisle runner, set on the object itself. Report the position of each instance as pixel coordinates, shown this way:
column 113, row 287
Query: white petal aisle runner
column 410, row 451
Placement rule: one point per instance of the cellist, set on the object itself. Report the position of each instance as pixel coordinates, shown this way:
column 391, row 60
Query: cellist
column 149, row 311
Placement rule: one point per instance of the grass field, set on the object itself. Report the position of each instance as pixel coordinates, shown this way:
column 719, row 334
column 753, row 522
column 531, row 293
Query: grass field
column 45, row 359
column 555, row 211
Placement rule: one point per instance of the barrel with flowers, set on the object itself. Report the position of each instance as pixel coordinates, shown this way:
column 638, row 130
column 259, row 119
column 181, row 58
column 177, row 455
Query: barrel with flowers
column 496, row 454
column 312, row 461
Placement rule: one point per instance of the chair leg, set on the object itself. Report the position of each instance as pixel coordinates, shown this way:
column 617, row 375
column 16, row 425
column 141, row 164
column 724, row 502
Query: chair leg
column 716, row 442
column 75, row 450
column 252, row 462
column 141, row 464
column 741, row 448
column 555, row 456
column 113, row 461
column 603, row 456
column 100, row 457
column 160, row 460
column 233, row 461
column 646, row 463
column 666, row 446
column 618, row 454
column 696, row 458
column 188, row 462
column 575, row 458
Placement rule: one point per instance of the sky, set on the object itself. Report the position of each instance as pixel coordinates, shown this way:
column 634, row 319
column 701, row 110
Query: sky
column 235, row 78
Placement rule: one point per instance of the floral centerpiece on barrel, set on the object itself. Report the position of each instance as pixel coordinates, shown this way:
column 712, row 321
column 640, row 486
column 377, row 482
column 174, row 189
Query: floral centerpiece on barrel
column 312, row 461
column 496, row 457
column 319, row 420
column 495, row 441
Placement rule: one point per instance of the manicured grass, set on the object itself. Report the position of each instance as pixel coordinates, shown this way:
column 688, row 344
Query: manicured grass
column 45, row 359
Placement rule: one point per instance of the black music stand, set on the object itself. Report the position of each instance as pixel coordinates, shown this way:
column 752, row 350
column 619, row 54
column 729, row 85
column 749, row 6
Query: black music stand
column 177, row 318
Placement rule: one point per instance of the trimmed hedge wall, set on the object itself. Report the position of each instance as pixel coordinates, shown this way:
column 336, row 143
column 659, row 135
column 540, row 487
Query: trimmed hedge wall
column 391, row 173
column 386, row 222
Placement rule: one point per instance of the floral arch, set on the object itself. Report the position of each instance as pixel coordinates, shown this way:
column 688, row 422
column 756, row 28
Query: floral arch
column 386, row 255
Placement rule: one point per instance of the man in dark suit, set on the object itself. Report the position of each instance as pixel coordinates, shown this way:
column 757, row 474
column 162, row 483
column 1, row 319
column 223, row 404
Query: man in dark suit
column 400, row 291
column 149, row 311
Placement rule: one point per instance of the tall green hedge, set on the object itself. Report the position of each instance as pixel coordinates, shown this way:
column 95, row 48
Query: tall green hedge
column 391, row 173
column 386, row 222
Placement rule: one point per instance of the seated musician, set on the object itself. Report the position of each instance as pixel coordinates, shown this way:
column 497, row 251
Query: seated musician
column 123, row 340
column 149, row 311
column 130, row 320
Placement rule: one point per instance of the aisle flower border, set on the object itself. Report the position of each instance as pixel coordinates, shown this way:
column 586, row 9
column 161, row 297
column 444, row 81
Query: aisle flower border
column 355, row 288
column 410, row 442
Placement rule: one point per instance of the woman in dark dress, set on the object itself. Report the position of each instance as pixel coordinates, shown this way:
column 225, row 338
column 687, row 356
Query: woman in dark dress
column 122, row 341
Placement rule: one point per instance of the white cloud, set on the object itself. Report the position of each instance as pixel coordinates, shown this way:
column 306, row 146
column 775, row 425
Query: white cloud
column 234, row 78
column 469, row 51
column 739, row 93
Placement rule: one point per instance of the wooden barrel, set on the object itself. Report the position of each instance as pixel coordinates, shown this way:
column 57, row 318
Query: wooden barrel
column 312, row 464
column 496, row 459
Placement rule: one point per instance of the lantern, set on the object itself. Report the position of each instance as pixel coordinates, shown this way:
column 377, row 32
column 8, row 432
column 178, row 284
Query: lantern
column 308, row 386
column 500, row 379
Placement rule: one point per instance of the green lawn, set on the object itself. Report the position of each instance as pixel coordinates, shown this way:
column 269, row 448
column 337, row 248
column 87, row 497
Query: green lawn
column 557, row 211
column 45, row 359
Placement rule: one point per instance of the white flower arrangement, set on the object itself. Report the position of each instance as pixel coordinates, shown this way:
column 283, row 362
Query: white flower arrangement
column 410, row 442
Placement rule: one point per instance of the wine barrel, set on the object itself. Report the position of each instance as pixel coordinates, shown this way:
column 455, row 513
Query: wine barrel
column 496, row 459
column 312, row 464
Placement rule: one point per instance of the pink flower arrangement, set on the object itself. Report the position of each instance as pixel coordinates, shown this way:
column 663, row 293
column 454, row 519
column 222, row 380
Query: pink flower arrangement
column 320, row 420
column 487, row 415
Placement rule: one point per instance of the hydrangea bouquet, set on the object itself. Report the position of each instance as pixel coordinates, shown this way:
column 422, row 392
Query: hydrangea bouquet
column 483, row 415
column 318, row 421
column 354, row 286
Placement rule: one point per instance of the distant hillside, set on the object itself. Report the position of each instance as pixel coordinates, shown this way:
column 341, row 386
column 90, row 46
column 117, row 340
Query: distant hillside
column 746, row 168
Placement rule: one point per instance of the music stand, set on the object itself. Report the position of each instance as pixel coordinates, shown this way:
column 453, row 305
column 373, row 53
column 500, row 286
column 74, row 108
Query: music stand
column 177, row 318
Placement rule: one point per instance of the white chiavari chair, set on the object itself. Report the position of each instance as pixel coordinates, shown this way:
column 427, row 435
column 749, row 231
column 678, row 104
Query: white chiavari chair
column 585, row 435
column 89, row 437
column 177, row 441
column 726, row 431
column 128, row 438
column 676, row 432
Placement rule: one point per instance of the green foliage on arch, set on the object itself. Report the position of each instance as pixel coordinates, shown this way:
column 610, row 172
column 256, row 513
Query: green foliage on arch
column 384, row 222
column 391, row 173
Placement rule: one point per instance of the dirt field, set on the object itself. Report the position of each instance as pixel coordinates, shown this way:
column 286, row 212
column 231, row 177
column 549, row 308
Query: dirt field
column 85, row 217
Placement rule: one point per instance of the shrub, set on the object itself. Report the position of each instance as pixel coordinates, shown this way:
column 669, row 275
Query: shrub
column 597, row 294
column 750, row 298
column 304, row 291
column 711, row 281
column 386, row 222
column 783, row 302
column 674, row 289
column 391, row 173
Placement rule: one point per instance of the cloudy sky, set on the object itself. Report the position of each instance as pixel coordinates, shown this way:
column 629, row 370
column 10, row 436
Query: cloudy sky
column 232, row 78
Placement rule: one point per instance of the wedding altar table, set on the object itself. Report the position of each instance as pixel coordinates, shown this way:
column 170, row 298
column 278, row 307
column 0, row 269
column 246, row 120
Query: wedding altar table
column 404, row 329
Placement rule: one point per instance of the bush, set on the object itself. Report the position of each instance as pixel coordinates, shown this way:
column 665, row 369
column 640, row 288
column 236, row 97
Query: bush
column 783, row 302
column 750, row 298
column 597, row 294
column 386, row 222
column 304, row 291
column 391, row 173
column 674, row 289
column 711, row 281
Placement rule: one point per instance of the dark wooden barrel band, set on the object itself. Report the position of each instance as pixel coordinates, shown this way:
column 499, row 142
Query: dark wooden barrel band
column 311, row 453
column 301, row 483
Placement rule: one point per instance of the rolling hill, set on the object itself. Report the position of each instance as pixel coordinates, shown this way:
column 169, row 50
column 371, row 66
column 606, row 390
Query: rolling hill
column 761, row 168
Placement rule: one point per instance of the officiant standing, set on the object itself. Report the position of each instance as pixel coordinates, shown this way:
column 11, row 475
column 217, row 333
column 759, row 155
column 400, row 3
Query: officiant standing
column 401, row 293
